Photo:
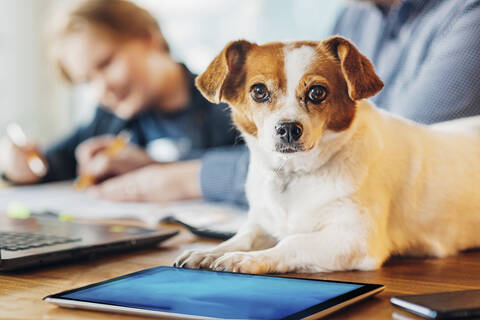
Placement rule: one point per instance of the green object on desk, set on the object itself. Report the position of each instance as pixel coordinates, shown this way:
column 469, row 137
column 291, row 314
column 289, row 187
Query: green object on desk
column 65, row 217
column 17, row 210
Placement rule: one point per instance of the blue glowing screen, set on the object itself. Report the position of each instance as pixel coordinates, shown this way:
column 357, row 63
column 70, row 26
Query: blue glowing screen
column 213, row 294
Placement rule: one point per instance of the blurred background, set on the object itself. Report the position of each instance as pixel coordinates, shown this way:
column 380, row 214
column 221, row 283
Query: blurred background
column 32, row 94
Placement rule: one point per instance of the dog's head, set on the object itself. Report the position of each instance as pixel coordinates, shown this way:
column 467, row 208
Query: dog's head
column 286, row 95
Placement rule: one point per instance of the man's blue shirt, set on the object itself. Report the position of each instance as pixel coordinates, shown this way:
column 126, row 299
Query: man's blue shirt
column 426, row 51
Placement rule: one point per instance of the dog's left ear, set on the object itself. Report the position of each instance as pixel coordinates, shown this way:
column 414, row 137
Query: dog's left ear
column 223, row 71
column 362, row 81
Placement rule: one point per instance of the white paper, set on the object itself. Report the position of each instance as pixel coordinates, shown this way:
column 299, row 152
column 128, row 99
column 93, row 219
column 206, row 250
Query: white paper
column 62, row 198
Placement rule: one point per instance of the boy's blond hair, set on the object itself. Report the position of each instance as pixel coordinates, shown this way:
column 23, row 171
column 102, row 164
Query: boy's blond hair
column 121, row 19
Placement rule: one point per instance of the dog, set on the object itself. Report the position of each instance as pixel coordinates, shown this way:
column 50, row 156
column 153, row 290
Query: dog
column 334, row 183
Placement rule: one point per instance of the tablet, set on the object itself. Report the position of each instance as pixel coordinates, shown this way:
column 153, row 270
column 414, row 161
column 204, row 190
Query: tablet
column 202, row 294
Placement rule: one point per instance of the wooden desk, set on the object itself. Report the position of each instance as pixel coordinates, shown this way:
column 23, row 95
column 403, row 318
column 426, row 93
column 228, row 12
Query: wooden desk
column 21, row 293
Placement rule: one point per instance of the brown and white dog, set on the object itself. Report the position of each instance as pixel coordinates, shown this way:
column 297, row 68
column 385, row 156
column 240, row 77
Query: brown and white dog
column 335, row 183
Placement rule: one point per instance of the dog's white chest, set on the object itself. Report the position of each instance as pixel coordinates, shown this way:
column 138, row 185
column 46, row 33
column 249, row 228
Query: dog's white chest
column 291, row 204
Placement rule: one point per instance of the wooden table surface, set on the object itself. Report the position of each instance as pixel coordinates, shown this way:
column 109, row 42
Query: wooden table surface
column 21, row 293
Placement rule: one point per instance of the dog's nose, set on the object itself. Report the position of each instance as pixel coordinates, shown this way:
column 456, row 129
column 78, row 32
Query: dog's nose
column 289, row 131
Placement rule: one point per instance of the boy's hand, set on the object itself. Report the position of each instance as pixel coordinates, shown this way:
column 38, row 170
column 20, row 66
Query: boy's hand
column 154, row 183
column 15, row 162
column 93, row 160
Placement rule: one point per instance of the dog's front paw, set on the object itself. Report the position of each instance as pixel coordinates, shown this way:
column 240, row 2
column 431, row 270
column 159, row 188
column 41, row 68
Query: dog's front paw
column 244, row 262
column 197, row 259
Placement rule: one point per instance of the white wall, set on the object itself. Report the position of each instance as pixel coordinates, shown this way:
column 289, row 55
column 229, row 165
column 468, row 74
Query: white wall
column 29, row 93
column 198, row 30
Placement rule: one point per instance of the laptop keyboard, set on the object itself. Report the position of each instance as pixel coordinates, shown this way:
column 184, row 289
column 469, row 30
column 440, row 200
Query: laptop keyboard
column 14, row 241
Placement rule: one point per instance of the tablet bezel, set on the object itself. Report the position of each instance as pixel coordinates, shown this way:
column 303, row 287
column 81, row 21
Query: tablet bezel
column 323, row 308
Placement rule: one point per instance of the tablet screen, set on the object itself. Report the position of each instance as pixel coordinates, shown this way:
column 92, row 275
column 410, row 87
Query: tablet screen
column 212, row 294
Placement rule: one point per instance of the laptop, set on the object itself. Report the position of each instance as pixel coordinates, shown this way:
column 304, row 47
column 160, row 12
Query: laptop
column 44, row 239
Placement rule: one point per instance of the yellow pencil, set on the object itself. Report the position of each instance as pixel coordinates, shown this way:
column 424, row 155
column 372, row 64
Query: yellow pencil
column 118, row 144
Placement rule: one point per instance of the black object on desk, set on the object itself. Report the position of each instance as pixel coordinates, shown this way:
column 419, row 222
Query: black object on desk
column 442, row 305
column 199, row 231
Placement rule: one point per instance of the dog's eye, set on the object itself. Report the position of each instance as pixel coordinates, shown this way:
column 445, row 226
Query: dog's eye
column 316, row 94
column 259, row 92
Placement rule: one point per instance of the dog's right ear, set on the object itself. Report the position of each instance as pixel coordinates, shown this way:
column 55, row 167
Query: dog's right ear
column 223, row 70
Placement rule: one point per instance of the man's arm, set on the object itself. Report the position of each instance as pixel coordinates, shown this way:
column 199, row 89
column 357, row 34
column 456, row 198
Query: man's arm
column 223, row 174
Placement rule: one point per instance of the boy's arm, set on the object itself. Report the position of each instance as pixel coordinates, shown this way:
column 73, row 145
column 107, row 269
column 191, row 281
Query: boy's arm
column 61, row 158
column 62, row 164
